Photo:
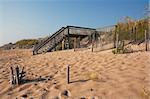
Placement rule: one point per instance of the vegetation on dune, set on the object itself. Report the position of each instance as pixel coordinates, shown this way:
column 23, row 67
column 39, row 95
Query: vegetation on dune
column 129, row 29
column 27, row 42
column 133, row 31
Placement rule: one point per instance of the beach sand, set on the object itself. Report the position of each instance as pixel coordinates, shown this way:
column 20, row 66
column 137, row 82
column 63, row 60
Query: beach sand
column 97, row 75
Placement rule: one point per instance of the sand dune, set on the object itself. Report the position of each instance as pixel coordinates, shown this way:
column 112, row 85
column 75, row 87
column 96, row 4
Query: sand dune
column 97, row 75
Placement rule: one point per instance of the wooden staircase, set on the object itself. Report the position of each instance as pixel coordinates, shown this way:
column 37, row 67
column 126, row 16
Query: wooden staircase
column 64, row 33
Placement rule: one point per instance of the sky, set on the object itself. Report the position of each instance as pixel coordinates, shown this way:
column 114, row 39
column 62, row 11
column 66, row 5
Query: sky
column 23, row 19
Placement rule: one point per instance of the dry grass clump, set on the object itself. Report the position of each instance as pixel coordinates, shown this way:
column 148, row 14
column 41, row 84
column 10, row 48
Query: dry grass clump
column 92, row 76
column 145, row 93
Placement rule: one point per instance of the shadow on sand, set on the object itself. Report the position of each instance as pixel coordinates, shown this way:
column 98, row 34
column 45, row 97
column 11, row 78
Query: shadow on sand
column 33, row 80
column 79, row 81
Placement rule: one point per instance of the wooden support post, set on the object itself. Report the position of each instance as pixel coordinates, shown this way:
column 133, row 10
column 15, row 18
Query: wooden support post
column 75, row 43
column 92, row 46
column 68, row 39
column 96, row 39
column 33, row 53
column 68, row 74
column 63, row 44
column 89, row 38
column 92, row 42
column 123, row 43
column 146, row 45
column 100, row 42
column 78, row 41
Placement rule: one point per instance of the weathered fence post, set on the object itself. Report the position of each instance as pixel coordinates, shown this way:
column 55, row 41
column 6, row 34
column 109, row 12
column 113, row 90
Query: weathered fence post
column 17, row 75
column 135, row 34
column 131, row 34
column 117, row 39
column 146, row 45
column 11, row 76
column 22, row 74
column 68, row 74
column 116, row 28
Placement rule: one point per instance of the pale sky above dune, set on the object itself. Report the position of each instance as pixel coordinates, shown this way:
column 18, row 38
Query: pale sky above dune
column 20, row 19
